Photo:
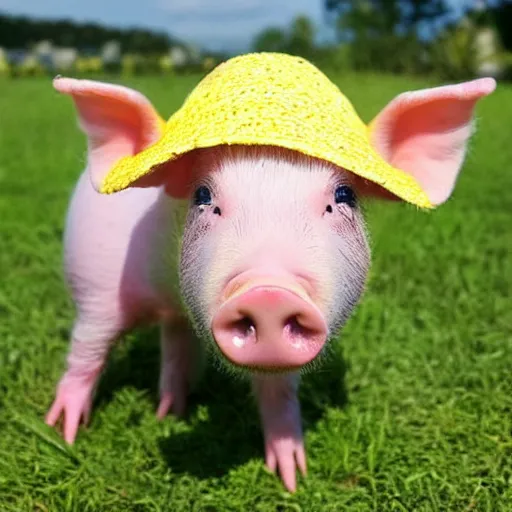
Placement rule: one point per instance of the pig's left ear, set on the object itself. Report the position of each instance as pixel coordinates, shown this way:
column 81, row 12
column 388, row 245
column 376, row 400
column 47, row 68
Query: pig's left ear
column 117, row 121
column 425, row 133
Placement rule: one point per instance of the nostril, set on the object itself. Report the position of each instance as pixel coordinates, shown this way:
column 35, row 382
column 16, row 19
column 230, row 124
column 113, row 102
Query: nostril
column 242, row 331
column 293, row 326
column 297, row 329
column 269, row 328
column 244, row 326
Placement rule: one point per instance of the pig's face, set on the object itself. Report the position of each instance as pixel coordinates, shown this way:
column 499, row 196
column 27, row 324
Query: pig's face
column 274, row 255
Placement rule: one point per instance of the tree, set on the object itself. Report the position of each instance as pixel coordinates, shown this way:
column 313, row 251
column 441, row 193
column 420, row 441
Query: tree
column 272, row 39
column 388, row 16
column 385, row 34
column 302, row 37
column 423, row 12
column 502, row 14
column 23, row 32
column 299, row 39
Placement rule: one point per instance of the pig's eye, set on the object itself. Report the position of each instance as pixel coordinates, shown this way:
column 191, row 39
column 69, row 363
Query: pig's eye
column 202, row 196
column 344, row 194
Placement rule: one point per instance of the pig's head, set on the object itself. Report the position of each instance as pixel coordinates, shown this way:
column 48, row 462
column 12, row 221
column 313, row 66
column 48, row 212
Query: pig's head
column 275, row 254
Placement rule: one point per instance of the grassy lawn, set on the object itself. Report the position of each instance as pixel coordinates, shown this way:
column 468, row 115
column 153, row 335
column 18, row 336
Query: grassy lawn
column 415, row 413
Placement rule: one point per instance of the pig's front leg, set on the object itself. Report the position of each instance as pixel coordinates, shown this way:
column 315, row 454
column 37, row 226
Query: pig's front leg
column 179, row 353
column 282, row 427
column 90, row 345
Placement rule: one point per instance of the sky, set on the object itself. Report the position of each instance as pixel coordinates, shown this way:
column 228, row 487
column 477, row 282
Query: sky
column 213, row 24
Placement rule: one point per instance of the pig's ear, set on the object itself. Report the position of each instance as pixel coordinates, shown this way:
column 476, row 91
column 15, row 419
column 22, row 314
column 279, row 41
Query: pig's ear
column 117, row 121
column 425, row 133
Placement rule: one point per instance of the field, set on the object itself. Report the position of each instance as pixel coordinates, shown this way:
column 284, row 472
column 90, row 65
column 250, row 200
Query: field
column 414, row 413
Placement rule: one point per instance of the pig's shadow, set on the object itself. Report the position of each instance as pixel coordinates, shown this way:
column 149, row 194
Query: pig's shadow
column 224, row 429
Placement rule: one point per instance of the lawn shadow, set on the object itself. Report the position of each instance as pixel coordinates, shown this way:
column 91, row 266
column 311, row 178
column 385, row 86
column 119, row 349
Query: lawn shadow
column 133, row 362
column 225, row 429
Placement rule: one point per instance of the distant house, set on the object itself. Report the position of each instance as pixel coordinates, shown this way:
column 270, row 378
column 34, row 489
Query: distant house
column 111, row 54
column 64, row 59
column 184, row 55
column 44, row 56
column 486, row 42
column 43, row 48
column 44, row 53
column 487, row 53
column 17, row 56
column 178, row 56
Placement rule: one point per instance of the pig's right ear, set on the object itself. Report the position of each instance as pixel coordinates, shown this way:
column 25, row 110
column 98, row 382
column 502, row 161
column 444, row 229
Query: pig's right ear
column 117, row 121
column 425, row 134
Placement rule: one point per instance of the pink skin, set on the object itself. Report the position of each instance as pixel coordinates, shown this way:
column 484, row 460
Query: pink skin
column 269, row 326
column 280, row 416
column 268, row 271
column 111, row 297
column 177, row 367
column 426, row 132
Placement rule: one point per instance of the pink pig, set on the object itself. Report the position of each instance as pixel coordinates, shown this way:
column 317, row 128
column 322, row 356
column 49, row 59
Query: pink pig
column 265, row 260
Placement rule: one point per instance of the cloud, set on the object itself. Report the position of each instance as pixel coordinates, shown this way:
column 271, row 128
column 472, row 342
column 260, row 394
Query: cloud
column 206, row 7
column 33, row 7
column 226, row 23
column 258, row 12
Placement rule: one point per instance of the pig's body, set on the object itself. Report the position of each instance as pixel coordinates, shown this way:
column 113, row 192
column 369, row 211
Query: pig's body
column 121, row 256
column 264, row 254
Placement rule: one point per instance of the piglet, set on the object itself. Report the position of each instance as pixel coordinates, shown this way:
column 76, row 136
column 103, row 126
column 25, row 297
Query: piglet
column 263, row 261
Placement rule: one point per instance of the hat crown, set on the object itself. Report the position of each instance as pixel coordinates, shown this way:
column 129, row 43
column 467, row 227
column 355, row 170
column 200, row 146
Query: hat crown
column 258, row 87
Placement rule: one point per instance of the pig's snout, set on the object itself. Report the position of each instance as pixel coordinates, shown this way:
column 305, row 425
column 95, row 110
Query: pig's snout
column 269, row 327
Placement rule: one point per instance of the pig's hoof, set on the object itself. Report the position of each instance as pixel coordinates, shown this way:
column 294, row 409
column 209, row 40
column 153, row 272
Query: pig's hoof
column 74, row 402
column 168, row 401
column 286, row 455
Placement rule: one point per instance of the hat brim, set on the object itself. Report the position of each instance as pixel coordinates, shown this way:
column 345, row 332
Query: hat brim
column 361, row 160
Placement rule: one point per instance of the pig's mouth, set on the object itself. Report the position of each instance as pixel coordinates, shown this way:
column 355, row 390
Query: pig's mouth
column 269, row 325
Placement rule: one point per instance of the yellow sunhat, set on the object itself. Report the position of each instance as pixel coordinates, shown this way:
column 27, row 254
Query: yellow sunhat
column 269, row 99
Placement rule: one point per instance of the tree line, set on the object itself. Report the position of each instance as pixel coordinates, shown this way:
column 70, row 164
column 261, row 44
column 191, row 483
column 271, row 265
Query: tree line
column 398, row 36
column 20, row 32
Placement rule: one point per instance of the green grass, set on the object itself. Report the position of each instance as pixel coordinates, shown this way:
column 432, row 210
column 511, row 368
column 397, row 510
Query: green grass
column 415, row 413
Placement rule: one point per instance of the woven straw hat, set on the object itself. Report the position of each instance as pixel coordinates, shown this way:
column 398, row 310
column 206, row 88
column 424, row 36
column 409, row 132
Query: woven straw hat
column 269, row 99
